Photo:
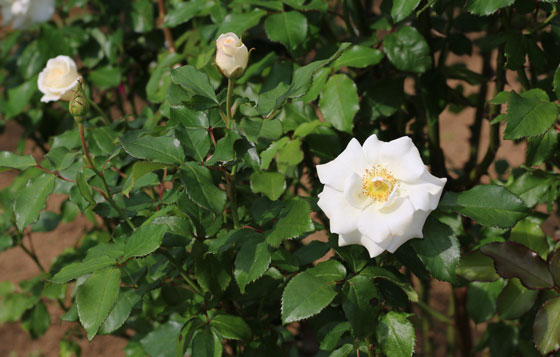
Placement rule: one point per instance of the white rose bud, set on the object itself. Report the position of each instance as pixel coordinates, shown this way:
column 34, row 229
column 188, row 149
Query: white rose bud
column 58, row 79
column 231, row 55
column 24, row 13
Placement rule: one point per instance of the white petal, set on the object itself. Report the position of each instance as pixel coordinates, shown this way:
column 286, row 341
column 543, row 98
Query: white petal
column 353, row 192
column 415, row 231
column 425, row 192
column 383, row 224
column 358, row 238
column 343, row 217
column 335, row 172
column 372, row 147
column 402, row 159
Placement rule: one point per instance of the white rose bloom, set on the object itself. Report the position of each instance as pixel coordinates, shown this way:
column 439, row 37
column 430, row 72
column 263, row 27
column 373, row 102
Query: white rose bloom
column 231, row 55
column 24, row 13
column 58, row 79
column 378, row 195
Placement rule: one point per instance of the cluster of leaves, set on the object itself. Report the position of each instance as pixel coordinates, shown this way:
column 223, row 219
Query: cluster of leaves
column 197, row 243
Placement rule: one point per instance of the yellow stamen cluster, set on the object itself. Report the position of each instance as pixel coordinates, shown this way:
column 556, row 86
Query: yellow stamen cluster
column 378, row 184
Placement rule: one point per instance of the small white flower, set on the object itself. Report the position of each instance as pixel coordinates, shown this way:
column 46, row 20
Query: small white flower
column 378, row 195
column 24, row 13
column 58, row 79
column 231, row 55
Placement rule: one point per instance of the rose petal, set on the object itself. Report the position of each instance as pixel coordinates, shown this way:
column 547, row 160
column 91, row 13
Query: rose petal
column 381, row 224
column 343, row 217
column 335, row 172
column 372, row 147
column 358, row 238
column 425, row 192
column 353, row 192
column 415, row 231
column 402, row 159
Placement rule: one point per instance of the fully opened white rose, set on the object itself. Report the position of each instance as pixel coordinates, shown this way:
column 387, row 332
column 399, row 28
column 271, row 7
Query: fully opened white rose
column 58, row 79
column 231, row 55
column 378, row 195
column 23, row 13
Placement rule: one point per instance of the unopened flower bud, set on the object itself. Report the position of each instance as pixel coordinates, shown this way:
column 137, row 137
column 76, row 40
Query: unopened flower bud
column 231, row 55
column 78, row 104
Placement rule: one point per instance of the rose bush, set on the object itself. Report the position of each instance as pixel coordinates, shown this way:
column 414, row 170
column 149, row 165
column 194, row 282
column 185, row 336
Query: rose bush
column 226, row 205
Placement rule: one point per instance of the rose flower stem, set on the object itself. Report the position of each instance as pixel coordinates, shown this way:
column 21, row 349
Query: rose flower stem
column 107, row 194
column 228, row 102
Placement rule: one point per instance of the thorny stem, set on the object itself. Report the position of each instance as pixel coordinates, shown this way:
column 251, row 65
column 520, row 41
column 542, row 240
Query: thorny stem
column 370, row 346
column 107, row 193
column 59, row 176
column 166, row 31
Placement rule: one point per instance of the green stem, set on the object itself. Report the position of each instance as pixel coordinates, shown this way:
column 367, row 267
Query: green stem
column 196, row 289
column 100, row 111
column 370, row 342
column 545, row 23
column 423, row 302
column 231, row 192
column 92, row 166
column 228, row 102
column 434, row 313
column 33, row 257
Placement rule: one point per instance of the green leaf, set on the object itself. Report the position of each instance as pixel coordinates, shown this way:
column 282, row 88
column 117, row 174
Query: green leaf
column 142, row 16
column 19, row 97
column 121, row 311
column 489, row 205
column 231, row 327
column 9, row 160
column 481, row 299
column 251, row 262
column 534, row 187
column 272, row 184
column 513, row 260
column 439, row 250
column 84, row 187
column 139, row 170
column 194, row 80
column 161, row 341
column 554, row 267
column 546, row 328
column 75, row 270
column 485, row 7
column 294, row 222
column 288, row 28
column 515, row 300
column 213, row 273
column 144, row 240
column 200, row 187
column 359, row 56
column 402, row 8
column 339, row 102
column 361, row 303
column 331, row 339
column 183, row 12
column 396, row 334
column 529, row 114
column 475, row 266
column 311, row 291
column 160, row 149
column 206, row 344
column 31, row 199
column 408, row 50
column 13, row 306
column 255, row 128
column 96, row 297
column 238, row 23
column 36, row 321
column 375, row 272
column 106, row 77
column 529, row 233
column 541, row 147
column 225, row 151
